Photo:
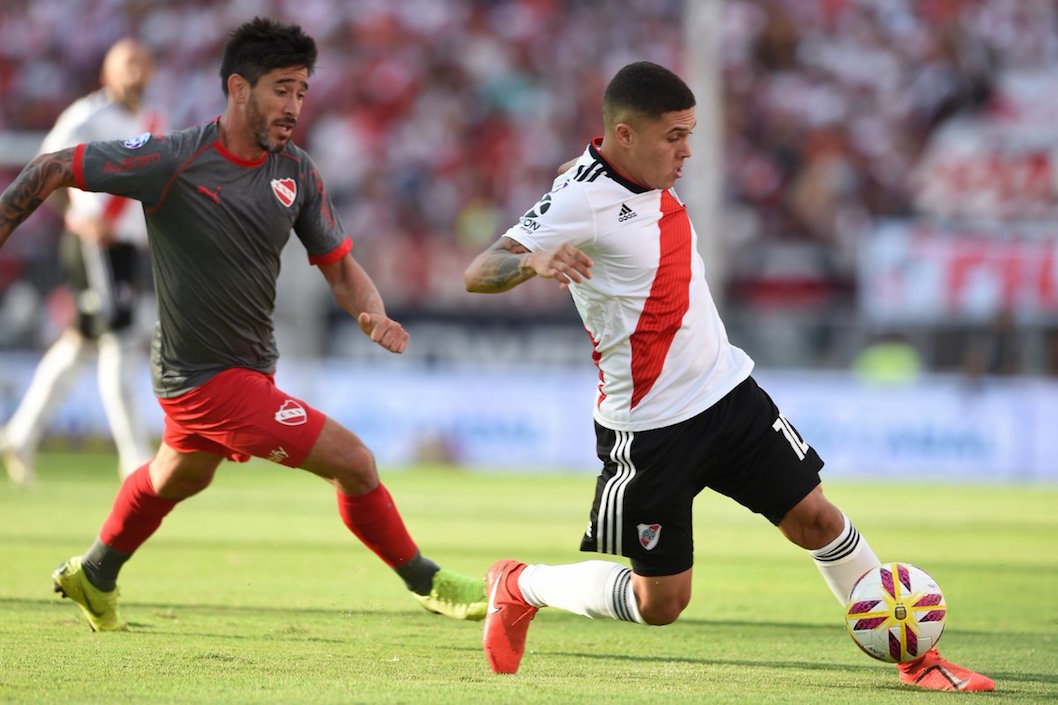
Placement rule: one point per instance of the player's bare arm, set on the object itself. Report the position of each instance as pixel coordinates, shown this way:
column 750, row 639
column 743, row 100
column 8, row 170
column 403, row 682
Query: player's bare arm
column 354, row 291
column 35, row 183
column 507, row 263
column 94, row 230
column 567, row 166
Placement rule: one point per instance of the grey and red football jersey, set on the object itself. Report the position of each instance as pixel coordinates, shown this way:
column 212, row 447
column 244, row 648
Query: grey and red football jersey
column 660, row 346
column 216, row 224
column 98, row 117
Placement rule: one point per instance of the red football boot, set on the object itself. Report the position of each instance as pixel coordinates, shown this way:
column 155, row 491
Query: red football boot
column 933, row 671
column 507, row 617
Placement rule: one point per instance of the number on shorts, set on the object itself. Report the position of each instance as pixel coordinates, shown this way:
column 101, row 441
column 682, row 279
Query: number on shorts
column 796, row 442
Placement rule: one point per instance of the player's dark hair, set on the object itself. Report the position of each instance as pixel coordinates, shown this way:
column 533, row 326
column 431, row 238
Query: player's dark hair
column 647, row 89
column 260, row 45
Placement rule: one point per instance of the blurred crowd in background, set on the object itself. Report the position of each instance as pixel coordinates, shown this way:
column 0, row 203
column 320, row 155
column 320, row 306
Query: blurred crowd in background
column 435, row 123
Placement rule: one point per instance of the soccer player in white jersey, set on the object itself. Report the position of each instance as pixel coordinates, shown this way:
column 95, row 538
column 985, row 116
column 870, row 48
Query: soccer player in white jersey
column 676, row 410
column 101, row 253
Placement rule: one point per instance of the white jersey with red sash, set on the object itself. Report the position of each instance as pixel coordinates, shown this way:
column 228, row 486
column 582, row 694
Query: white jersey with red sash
column 97, row 117
column 660, row 346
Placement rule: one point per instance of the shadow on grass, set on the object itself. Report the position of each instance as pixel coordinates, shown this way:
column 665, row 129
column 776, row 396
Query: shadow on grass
column 683, row 623
column 160, row 618
column 170, row 611
column 797, row 626
column 223, row 609
column 848, row 676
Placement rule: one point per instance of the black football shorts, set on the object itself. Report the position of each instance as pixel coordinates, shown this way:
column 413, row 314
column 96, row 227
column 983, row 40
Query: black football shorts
column 741, row 447
column 104, row 282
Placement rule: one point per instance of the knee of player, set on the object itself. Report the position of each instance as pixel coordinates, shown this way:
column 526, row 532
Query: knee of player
column 813, row 523
column 182, row 487
column 659, row 612
column 357, row 467
column 363, row 460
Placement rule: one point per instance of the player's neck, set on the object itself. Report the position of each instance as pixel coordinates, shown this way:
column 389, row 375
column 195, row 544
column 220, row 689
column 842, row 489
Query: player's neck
column 129, row 103
column 617, row 158
column 236, row 138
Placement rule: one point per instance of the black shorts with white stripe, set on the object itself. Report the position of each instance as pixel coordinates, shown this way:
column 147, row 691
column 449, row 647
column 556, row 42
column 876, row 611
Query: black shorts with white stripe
column 104, row 282
column 741, row 447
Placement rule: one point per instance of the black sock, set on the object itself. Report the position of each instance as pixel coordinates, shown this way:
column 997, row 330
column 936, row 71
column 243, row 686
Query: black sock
column 418, row 574
column 102, row 564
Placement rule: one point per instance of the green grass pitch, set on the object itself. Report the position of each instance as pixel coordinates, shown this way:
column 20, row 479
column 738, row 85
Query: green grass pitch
column 254, row 592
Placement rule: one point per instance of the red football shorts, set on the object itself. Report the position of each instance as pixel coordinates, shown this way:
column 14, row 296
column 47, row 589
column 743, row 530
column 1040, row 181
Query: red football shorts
column 241, row 413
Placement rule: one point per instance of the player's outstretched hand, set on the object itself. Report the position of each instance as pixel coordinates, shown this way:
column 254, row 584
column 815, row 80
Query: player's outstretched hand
column 564, row 264
column 384, row 331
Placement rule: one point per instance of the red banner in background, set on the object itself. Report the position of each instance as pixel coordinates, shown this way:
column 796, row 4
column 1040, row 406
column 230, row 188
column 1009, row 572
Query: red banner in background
column 1001, row 163
column 997, row 171
column 916, row 272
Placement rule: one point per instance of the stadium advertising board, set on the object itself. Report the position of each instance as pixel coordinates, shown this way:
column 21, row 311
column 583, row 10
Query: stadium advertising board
column 936, row 428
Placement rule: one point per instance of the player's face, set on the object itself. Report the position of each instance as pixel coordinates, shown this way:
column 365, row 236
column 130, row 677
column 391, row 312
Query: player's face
column 660, row 148
column 127, row 71
column 274, row 106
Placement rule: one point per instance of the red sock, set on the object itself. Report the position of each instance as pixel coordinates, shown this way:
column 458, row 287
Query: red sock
column 375, row 520
column 137, row 513
column 511, row 581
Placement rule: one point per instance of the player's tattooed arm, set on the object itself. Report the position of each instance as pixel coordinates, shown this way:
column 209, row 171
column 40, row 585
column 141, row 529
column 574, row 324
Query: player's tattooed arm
column 35, row 183
column 508, row 263
column 502, row 266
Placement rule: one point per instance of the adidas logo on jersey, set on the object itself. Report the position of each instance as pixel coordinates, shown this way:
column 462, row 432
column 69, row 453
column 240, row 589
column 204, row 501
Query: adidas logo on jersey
column 626, row 213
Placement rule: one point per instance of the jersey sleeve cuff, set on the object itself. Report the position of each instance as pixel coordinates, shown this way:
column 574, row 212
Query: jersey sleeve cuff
column 334, row 255
column 518, row 236
column 78, row 167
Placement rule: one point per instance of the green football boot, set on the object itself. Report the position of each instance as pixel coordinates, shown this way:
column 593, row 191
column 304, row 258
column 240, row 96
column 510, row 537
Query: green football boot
column 456, row 596
column 101, row 608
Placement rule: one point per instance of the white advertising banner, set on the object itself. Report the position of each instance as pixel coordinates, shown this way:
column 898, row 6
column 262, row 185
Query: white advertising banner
column 937, row 428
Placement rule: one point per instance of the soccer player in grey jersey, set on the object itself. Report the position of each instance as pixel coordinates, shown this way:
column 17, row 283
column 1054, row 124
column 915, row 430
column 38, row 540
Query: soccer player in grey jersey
column 220, row 201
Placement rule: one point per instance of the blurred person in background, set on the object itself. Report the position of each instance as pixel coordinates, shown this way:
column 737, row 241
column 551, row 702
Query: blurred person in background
column 994, row 350
column 101, row 253
column 677, row 409
column 220, row 201
column 888, row 358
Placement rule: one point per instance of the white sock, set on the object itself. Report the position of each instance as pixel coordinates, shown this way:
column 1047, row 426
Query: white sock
column 844, row 560
column 118, row 364
column 591, row 588
column 52, row 379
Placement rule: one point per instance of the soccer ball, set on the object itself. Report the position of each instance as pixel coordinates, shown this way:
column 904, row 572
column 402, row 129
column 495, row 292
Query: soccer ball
column 895, row 612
